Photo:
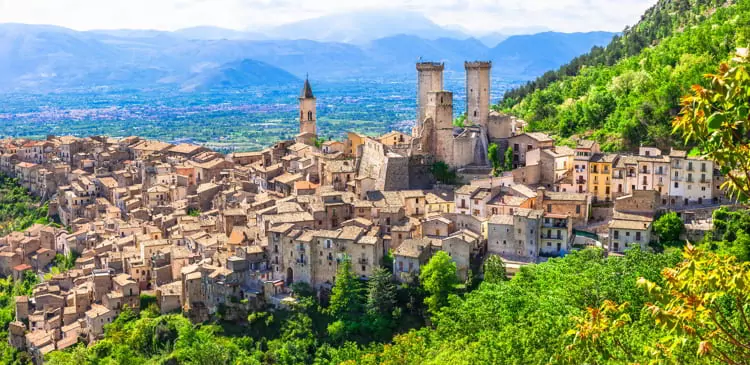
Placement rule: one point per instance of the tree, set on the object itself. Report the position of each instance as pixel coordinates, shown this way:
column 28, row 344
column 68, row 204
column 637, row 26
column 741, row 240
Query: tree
column 318, row 142
column 494, row 270
column 443, row 173
column 508, row 161
column 460, row 121
column 669, row 227
column 346, row 297
column 439, row 280
column 716, row 117
column 494, row 156
column 703, row 302
column 381, row 293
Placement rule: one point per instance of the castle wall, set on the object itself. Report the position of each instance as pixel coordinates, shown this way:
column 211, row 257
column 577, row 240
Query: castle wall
column 464, row 148
column 396, row 173
column 372, row 161
column 420, row 174
column 500, row 126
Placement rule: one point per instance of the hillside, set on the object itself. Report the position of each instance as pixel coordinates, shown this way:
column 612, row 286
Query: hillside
column 628, row 92
column 238, row 75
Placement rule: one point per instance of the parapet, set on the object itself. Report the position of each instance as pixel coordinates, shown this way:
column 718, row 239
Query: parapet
column 478, row 64
column 430, row 66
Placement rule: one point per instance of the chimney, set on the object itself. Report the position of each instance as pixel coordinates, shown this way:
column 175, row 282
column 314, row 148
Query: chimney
column 540, row 197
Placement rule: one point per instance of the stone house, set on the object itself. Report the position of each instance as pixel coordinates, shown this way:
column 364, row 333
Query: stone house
column 523, row 143
column 410, row 256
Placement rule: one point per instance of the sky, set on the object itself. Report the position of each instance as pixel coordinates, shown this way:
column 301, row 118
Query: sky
column 475, row 16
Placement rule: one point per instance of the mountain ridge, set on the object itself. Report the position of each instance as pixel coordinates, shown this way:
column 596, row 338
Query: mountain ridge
column 54, row 58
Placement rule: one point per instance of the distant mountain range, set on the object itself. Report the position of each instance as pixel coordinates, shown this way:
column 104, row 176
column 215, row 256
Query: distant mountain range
column 49, row 58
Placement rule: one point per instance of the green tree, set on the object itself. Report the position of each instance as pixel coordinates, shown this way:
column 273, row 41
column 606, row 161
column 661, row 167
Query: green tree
column 318, row 142
column 443, row 173
column 508, row 160
column 494, row 270
column 381, row 293
column 668, row 228
column 346, row 306
column 716, row 117
column 460, row 121
column 439, row 279
column 494, row 156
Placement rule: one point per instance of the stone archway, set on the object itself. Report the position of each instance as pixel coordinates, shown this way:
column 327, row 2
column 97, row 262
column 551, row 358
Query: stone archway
column 289, row 276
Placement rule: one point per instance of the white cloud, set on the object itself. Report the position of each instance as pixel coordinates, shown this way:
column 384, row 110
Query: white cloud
column 475, row 15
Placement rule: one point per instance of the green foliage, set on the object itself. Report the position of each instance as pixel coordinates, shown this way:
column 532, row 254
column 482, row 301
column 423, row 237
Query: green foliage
column 194, row 212
column 494, row 270
column 381, row 293
column 347, row 303
column 494, row 156
column 668, row 228
column 8, row 291
column 318, row 142
column 302, row 289
column 460, row 121
column 443, row 173
column 525, row 320
column 731, row 233
column 439, row 280
column 508, row 159
column 18, row 208
column 629, row 92
column 716, row 117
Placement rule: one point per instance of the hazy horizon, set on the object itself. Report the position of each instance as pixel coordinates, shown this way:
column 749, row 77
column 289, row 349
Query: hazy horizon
column 474, row 17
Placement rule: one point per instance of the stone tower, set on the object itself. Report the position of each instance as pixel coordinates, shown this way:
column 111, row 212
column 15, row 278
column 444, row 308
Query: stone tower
column 478, row 92
column 429, row 79
column 307, row 117
column 439, row 117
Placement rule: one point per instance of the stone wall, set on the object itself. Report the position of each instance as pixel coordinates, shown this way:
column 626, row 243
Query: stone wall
column 396, row 173
column 641, row 201
column 420, row 172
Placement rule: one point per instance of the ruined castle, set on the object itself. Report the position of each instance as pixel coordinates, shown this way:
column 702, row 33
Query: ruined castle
column 398, row 161
column 434, row 131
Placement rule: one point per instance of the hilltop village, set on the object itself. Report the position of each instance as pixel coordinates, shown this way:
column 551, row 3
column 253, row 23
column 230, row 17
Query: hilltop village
column 203, row 231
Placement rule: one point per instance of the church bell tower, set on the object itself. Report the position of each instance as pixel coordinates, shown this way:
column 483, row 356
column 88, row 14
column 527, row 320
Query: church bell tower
column 307, row 117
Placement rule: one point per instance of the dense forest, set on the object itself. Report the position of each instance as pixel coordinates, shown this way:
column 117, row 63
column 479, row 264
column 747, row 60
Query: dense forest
column 627, row 93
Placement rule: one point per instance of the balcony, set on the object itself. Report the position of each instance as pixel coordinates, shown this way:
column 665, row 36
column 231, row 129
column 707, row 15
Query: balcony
column 689, row 179
column 660, row 172
column 676, row 178
column 645, row 171
column 580, row 181
column 555, row 224
column 704, row 180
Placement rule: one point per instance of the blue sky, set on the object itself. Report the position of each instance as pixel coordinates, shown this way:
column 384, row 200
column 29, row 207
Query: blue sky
column 476, row 16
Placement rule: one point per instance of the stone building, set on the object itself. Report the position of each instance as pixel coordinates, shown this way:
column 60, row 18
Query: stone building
column 308, row 131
